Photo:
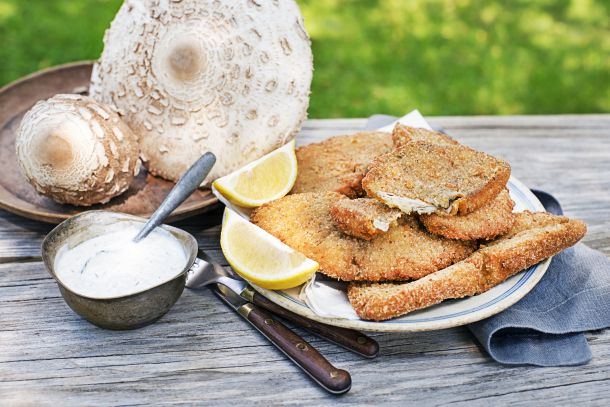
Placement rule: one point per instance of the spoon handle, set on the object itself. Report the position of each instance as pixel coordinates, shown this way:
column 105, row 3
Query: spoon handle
column 186, row 185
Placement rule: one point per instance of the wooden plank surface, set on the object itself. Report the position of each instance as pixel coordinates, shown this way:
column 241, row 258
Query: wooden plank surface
column 201, row 353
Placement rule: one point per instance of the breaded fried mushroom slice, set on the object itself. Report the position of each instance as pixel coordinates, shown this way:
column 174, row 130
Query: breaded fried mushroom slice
column 338, row 164
column 402, row 135
column 363, row 218
column 487, row 222
column 426, row 178
column 533, row 238
column 405, row 252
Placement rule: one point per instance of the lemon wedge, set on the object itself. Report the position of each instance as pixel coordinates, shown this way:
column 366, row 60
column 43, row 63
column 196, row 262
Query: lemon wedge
column 261, row 258
column 266, row 179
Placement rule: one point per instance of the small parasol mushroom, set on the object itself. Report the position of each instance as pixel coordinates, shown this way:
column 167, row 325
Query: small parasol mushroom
column 190, row 76
column 76, row 150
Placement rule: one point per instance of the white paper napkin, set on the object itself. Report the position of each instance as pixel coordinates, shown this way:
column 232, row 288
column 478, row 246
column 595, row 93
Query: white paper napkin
column 413, row 119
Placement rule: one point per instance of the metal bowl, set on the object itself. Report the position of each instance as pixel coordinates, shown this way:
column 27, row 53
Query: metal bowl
column 124, row 312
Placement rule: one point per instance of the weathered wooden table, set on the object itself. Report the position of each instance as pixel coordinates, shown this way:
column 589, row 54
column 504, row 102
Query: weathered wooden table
column 202, row 353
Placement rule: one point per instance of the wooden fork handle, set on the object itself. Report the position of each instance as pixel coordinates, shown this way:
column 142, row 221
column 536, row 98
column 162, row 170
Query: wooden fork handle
column 305, row 356
column 348, row 338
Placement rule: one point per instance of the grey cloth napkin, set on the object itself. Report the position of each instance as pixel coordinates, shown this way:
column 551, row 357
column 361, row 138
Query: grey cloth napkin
column 545, row 328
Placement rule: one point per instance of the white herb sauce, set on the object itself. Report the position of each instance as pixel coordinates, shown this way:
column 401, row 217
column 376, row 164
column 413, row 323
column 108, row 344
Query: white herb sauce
column 112, row 265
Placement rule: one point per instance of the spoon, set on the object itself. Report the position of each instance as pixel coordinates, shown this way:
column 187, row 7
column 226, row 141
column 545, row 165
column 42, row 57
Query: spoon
column 186, row 185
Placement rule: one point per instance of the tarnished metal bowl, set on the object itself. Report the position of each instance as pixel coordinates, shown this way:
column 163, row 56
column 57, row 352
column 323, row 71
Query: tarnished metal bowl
column 125, row 312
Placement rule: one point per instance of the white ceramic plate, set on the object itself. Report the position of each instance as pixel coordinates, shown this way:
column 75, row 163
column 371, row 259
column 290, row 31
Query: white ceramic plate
column 449, row 313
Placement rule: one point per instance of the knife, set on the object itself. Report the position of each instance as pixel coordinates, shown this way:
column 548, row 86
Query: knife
column 336, row 381
column 206, row 271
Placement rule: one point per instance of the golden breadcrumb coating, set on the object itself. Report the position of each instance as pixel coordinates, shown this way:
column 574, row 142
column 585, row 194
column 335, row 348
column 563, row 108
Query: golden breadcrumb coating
column 487, row 222
column 339, row 163
column 363, row 218
column 405, row 252
column 402, row 135
column 451, row 178
column 533, row 238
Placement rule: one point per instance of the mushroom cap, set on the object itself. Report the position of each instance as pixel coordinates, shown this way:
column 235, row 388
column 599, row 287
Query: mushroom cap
column 76, row 150
column 190, row 76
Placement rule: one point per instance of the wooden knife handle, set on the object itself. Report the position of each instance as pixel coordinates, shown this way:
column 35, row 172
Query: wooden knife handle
column 347, row 338
column 336, row 381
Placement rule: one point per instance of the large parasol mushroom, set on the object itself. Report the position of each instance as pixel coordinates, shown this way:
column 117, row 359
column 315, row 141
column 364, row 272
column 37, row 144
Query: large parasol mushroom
column 190, row 76
column 76, row 150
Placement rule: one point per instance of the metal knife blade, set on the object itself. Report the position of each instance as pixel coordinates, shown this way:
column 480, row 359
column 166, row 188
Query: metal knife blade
column 229, row 297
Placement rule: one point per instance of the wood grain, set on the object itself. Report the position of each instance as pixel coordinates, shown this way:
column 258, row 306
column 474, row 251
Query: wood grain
column 201, row 353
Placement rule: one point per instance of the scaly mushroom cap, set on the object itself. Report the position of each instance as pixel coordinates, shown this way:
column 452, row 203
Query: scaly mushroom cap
column 191, row 76
column 76, row 150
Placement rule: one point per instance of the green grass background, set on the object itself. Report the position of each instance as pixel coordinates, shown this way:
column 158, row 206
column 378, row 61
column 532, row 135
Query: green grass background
column 444, row 57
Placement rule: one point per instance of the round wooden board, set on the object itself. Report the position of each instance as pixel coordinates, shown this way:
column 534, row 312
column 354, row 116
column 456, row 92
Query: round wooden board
column 19, row 197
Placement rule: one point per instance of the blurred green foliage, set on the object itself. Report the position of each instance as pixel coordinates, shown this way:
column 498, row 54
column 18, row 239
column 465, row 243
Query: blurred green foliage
column 441, row 56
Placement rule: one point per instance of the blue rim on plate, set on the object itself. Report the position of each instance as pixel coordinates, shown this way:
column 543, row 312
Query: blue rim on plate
column 449, row 313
